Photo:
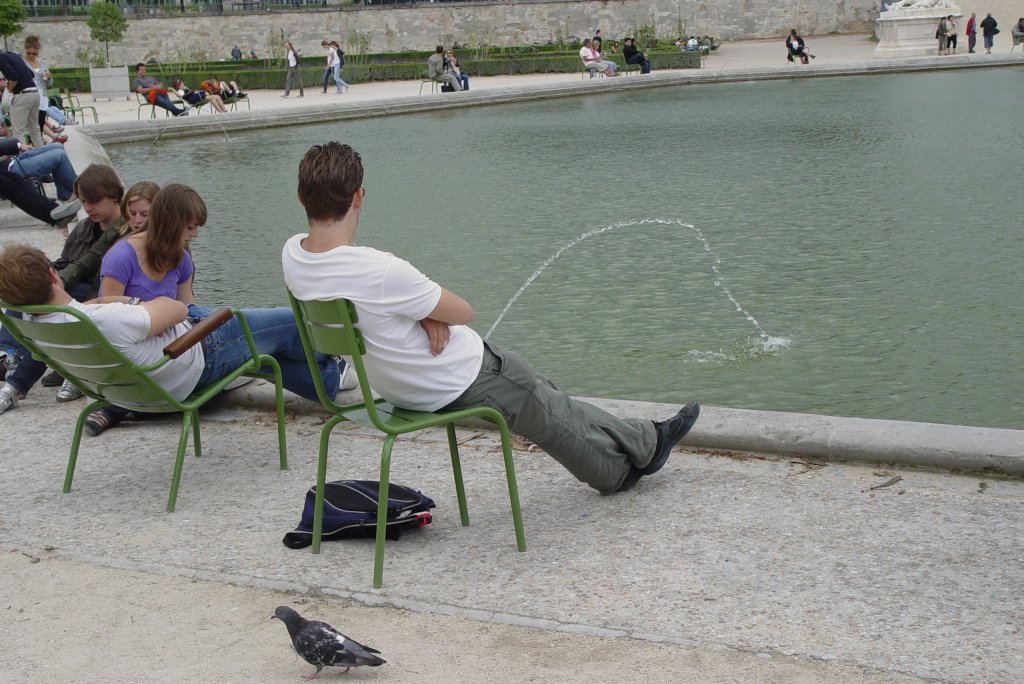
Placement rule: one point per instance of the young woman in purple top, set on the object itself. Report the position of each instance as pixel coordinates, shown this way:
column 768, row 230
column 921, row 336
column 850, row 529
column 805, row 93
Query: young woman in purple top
column 153, row 261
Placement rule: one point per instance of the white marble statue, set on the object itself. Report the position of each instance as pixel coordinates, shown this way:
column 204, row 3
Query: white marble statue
column 910, row 5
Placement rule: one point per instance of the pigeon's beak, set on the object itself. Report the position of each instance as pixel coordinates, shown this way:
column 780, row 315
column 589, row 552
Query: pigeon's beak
column 273, row 617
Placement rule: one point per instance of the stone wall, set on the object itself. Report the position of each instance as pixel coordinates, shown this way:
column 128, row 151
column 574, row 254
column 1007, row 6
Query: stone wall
column 421, row 26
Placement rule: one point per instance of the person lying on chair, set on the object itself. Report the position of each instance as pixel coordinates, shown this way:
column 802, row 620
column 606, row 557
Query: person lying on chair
column 22, row 159
column 141, row 330
column 421, row 354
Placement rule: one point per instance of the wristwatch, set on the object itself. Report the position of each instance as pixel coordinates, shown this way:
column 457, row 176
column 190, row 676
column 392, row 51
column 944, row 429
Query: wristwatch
column 134, row 300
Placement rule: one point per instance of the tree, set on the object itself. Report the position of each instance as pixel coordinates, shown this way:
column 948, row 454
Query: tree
column 106, row 24
column 12, row 12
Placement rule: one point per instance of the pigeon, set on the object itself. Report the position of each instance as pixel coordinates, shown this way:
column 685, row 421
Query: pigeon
column 320, row 644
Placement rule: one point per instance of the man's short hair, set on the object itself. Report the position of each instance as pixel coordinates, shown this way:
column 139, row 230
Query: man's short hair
column 329, row 176
column 139, row 66
column 24, row 276
column 586, row 42
column 439, row 49
column 98, row 181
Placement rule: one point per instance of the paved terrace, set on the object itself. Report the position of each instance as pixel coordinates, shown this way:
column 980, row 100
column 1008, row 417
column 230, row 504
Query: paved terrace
column 772, row 547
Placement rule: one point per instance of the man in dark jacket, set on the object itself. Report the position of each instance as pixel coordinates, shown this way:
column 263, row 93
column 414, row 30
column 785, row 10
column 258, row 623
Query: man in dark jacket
column 989, row 31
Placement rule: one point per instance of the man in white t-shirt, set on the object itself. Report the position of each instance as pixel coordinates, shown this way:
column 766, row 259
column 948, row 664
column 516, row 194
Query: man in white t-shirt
column 141, row 330
column 421, row 354
column 594, row 61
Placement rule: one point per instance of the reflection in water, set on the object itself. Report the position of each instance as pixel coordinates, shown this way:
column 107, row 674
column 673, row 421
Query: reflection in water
column 876, row 256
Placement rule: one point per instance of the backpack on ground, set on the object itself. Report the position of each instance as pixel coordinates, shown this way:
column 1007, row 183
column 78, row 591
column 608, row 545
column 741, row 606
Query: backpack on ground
column 350, row 512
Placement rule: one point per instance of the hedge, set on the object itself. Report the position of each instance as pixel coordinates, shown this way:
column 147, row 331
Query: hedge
column 259, row 75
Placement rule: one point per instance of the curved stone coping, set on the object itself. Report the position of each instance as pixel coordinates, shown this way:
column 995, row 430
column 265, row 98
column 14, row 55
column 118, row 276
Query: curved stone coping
column 159, row 128
column 958, row 448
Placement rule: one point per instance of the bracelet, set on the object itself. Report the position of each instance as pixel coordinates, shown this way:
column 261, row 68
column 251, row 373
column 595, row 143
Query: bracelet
column 134, row 300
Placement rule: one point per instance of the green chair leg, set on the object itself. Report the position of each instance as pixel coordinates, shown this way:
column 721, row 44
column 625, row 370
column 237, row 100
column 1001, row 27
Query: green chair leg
column 382, row 511
column 179, row 461
column 195, row 435
column 513, row 488
column 282, row 446
column 76, row 442
column 321, row 481
column 460, row 489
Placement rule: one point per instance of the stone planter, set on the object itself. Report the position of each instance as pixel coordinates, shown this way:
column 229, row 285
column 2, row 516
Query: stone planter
column 109, row 83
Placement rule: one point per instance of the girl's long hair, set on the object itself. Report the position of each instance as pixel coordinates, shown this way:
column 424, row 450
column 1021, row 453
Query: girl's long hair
column 174, row 208
column 143, row 190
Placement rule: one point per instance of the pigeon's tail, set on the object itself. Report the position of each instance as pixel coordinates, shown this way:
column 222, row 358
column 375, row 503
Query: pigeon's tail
column 371, row 660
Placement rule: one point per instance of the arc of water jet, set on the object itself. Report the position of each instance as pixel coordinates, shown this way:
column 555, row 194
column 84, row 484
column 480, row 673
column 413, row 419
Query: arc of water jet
column 716, row 261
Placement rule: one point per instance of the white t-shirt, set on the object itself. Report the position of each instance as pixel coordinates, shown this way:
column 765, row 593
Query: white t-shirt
column 126, row 327
column 587, row 55
column 391, row 297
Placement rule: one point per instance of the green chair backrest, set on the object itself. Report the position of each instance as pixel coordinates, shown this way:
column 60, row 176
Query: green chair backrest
column 329, row 327
column 81, row 353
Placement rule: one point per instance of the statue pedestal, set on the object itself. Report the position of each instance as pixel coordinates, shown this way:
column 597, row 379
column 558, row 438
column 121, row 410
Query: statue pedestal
column 911, row 33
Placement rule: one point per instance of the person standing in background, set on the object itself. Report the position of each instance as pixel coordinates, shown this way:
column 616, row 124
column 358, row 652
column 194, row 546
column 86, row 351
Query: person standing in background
column 21, row 83
column 950, row 35
column 989, row 29
column 42, row 76
column 971, row 33
column 293, row 75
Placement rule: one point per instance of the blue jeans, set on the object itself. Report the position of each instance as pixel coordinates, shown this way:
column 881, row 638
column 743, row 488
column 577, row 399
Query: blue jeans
column 337, row 77
column 274, row 332
column 28, row 370
column 161, row 100
column 48, row 160
column 638, row 58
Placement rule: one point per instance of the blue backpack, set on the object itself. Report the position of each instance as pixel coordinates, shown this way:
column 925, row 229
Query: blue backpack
column 350, row 512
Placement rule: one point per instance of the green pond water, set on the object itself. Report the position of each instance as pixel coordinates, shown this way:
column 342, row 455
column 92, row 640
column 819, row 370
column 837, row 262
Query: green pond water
column 844, row 246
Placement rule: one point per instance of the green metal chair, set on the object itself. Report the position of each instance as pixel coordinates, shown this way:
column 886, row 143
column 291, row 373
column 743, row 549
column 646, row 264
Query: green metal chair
column 426, row 80
column 232, row 102
column 329, row 327
column 143, row 103
column 79, row 351
column 75, row 108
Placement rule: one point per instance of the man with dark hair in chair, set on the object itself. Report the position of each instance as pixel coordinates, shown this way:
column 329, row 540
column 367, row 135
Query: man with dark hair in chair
column 422, row 355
